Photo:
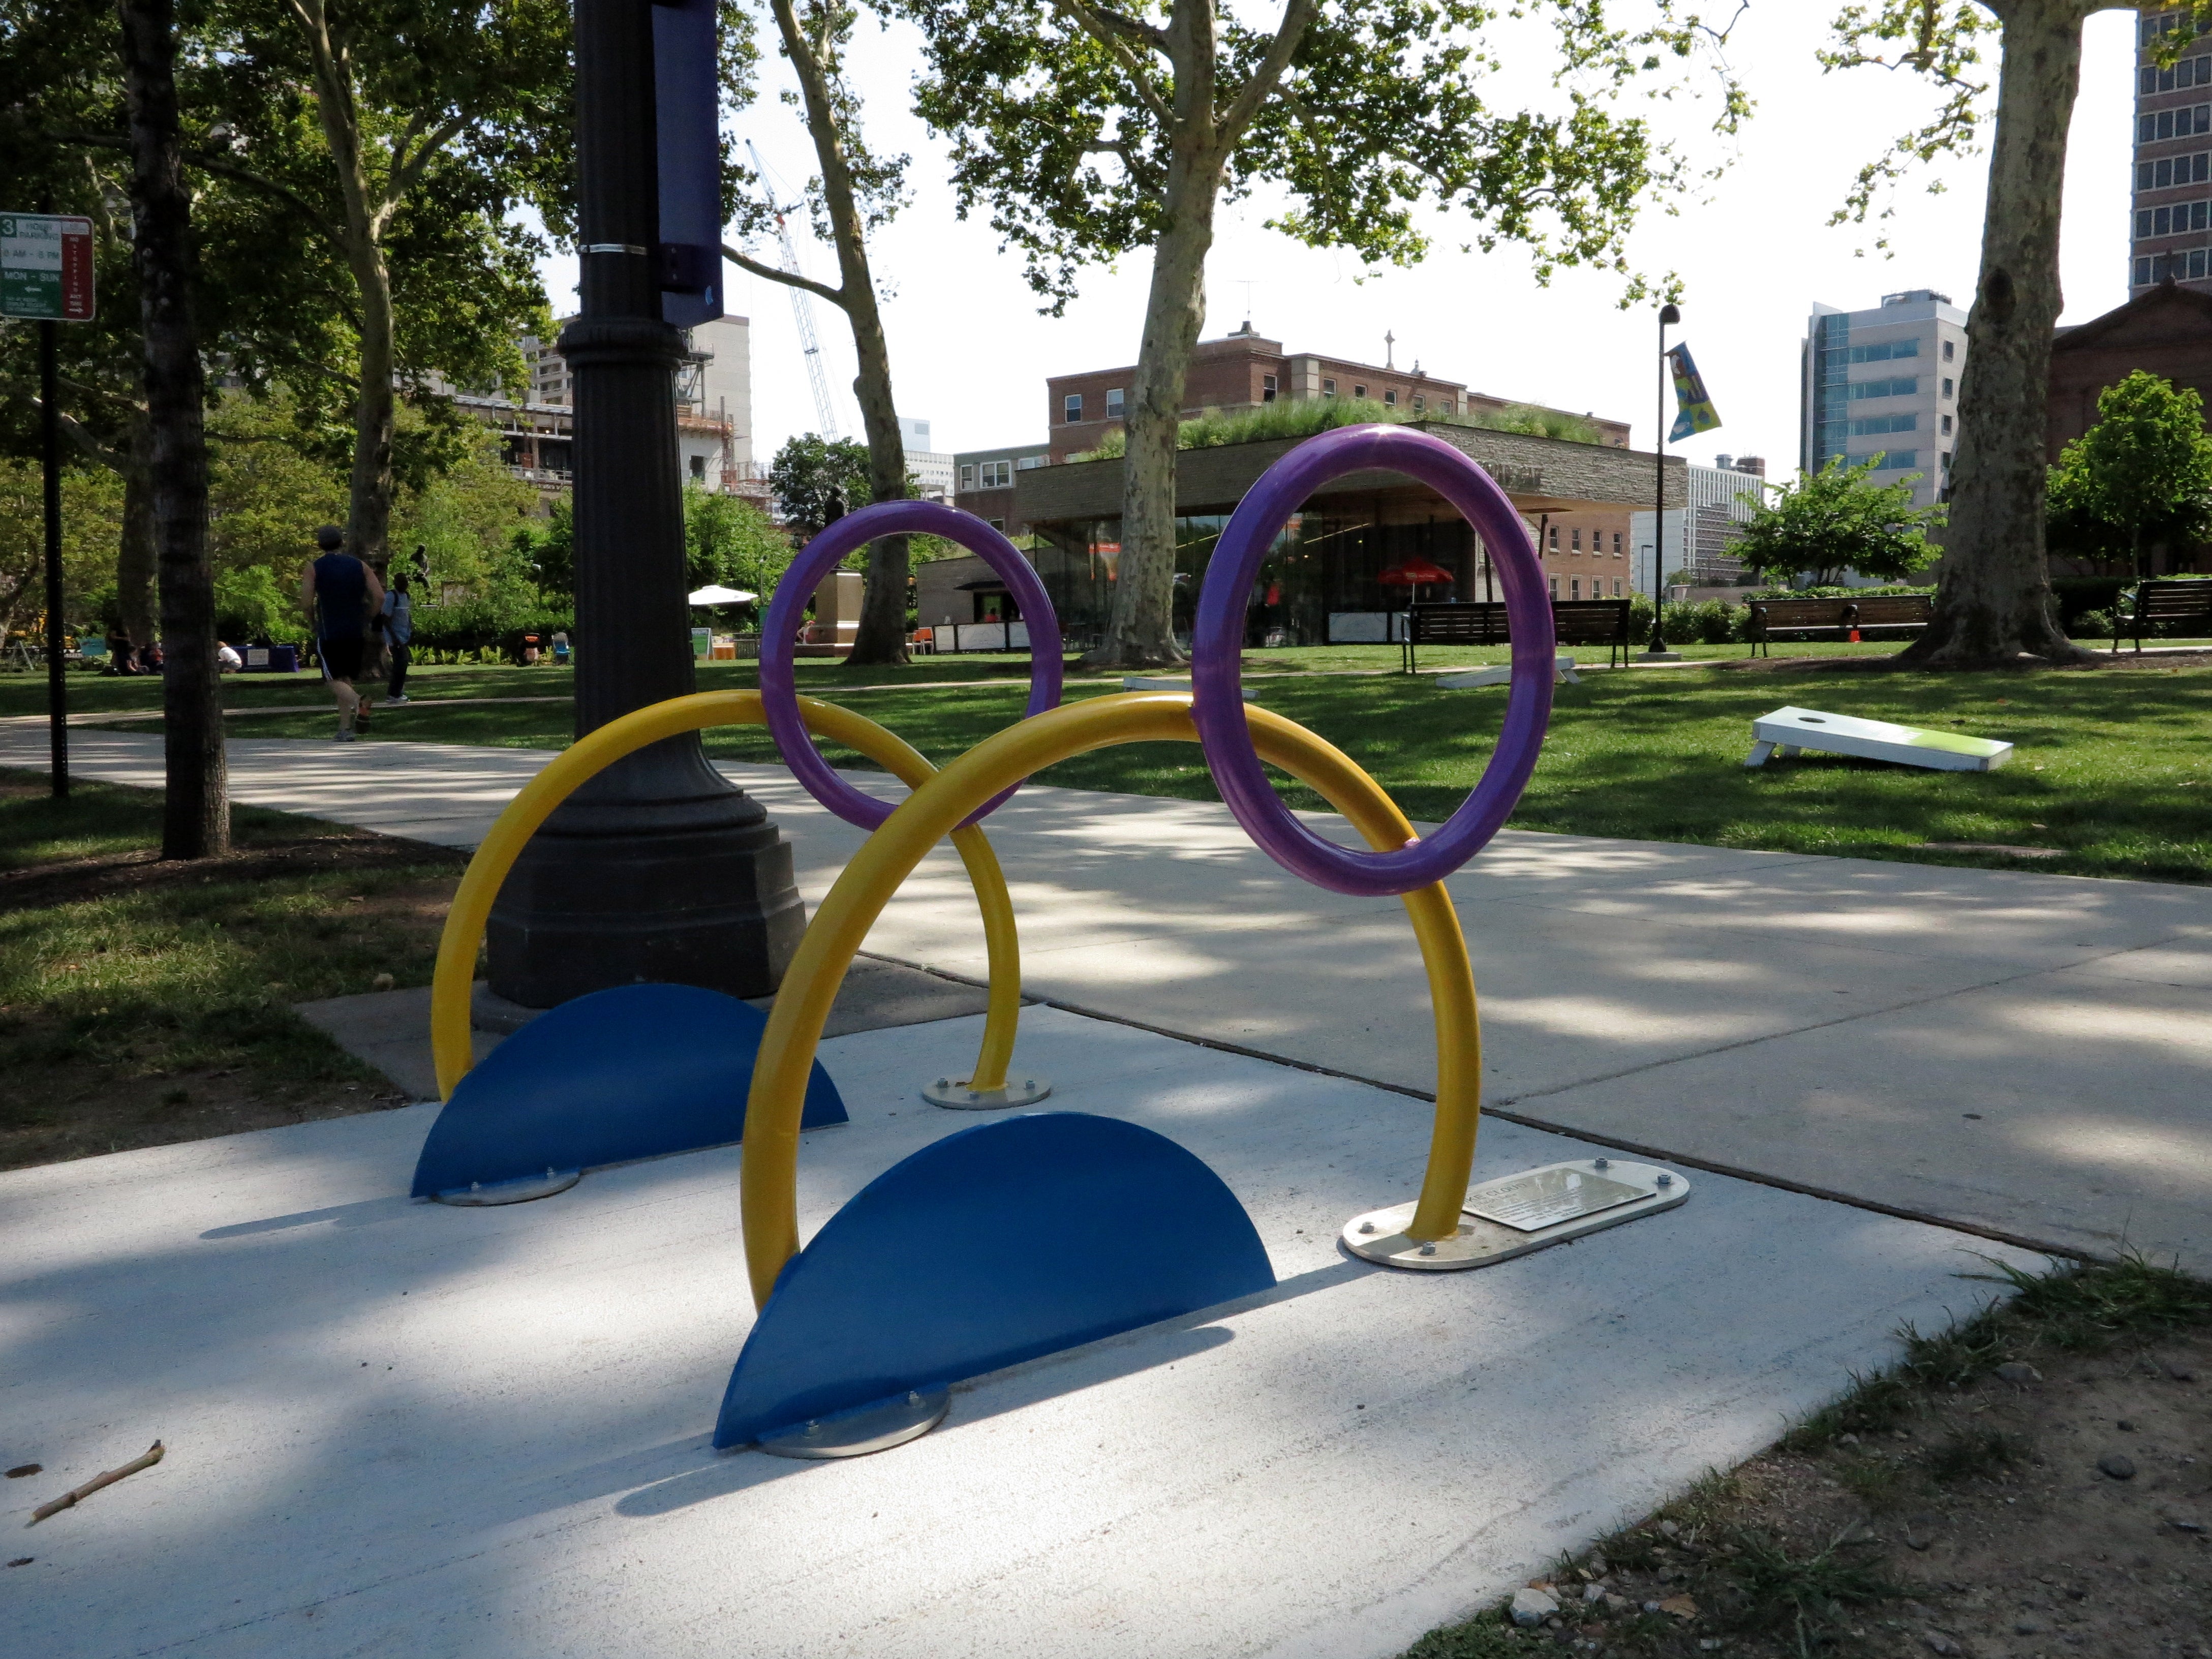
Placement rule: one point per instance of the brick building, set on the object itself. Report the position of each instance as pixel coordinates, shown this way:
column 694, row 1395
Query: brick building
column 2166, row 329
column 1245, row 370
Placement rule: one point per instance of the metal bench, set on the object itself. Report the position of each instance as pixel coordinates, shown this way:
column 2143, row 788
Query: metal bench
column 1476, row 622
column 2163, row 602
column 1886, row 613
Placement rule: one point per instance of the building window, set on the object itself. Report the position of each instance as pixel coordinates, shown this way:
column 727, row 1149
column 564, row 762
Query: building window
column 1114, row 400
column 1575, row 588
column 1555, row 539
column 995, row 475
column 2197, row 262
column 1359, row 392
column 1448, row 408
column 1071, row 407
column 999, row 524
column 1947, row 426
column 1948, row 386
column 698, row 469
column 1419, row 402
column 1328, row 388
column 2143, row 272
column 967, row 477
column 1390, row 396
column 1267, row 388
column 1616, row 587
column 1575, row 538
column 1616, row 554
column 1555, row 588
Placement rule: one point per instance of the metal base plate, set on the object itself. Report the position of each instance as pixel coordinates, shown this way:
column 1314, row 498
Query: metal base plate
column 954, row 1094
column 521, row 1190
column 874, row 1428
column 1545, row 1205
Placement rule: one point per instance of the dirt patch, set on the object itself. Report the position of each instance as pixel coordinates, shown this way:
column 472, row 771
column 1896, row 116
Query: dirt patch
column 2034, row 1504
column 144, row 871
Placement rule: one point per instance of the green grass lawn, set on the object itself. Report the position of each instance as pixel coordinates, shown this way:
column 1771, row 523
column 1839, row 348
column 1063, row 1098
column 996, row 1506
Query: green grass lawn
column 2113, row 768
column 26, row 694
column 143, row 1002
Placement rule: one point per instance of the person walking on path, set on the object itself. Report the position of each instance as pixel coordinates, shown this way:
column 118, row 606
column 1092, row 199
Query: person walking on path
column 398, row 617
column 340, row 594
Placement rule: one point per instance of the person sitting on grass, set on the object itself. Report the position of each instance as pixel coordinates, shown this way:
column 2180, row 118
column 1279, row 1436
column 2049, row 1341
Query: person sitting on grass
column 226, row 659
column 340, row 594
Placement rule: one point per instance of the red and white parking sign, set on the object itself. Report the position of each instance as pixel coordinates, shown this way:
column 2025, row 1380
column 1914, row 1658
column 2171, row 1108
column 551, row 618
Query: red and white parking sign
column 45, row 266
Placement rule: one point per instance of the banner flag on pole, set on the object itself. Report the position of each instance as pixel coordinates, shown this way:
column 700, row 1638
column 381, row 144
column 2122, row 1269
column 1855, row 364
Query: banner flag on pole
column 1698, row 413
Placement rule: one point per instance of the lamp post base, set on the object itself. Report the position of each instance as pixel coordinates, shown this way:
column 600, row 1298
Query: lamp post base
column 1659, row 656
column 659, row 872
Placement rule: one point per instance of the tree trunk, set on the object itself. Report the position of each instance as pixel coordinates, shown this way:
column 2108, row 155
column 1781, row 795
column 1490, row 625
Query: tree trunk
column 369, row 499
column 1993, row 603
column 136, row 556
column 367, row 210
column 196, row 811
column 881, row 638
column 1140, row 623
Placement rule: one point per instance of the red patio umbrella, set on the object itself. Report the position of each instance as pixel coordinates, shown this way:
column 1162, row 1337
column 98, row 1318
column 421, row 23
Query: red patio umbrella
column 1415, row 573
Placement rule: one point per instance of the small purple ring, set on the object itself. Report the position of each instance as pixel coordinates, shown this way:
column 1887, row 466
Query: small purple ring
column 1217, row 639
column 787, row 612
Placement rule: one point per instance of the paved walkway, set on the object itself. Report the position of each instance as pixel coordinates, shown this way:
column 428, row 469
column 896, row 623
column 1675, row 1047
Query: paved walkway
column 2024, row 1054
column 483, row 1434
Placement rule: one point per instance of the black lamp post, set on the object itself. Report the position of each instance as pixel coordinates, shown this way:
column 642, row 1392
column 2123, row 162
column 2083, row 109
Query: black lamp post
column 659, row 869
column 1657, row 650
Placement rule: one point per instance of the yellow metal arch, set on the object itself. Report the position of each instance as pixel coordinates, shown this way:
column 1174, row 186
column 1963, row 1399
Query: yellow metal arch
column 769, row 1173
column 450, row 1045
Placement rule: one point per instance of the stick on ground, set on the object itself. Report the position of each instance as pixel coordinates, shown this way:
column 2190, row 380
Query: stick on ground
column 68, row 1498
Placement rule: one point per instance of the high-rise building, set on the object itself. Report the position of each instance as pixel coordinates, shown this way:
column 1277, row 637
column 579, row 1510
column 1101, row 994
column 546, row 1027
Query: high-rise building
column 931, row 469
column 2172, row 233
column 1885, row 381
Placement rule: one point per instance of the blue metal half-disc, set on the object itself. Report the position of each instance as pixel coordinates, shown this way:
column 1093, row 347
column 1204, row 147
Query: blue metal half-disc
column 637, row 1072
column 1018, row 1237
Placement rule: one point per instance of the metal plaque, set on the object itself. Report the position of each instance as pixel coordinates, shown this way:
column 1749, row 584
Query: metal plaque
column 1544, row 1198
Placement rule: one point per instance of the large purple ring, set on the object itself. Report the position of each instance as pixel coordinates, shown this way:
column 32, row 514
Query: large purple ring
column 1217, row 639
column 787, row 614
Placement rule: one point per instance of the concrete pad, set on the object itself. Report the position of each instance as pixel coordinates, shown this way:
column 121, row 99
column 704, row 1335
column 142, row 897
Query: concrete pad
column 391, row 1030
column 399, row 1428
column 2102, row 1143
column 1703, row 971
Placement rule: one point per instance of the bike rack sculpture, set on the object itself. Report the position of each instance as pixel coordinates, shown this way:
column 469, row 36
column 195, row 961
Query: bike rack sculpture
column 1028, row 1234
column 643, row 1071
column 1031, row 1235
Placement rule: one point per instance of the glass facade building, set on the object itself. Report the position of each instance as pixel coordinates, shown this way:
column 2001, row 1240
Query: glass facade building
column 1882, row 385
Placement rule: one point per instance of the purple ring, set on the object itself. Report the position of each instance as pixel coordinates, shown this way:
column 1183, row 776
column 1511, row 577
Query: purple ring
column 1217, row 645
column 780, row 688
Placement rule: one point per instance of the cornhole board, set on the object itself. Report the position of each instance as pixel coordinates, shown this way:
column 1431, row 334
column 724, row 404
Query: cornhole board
column 1563, row 670
column 1786, row 731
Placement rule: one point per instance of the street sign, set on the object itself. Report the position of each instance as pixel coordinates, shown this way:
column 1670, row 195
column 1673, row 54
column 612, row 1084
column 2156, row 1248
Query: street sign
column 45, row 267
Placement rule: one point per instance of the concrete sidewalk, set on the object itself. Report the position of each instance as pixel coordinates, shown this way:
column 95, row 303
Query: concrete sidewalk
column 398, row 1428
column 2023, row 1054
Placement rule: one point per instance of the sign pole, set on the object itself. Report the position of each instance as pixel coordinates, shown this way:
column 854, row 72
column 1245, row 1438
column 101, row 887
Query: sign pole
column 50, row 445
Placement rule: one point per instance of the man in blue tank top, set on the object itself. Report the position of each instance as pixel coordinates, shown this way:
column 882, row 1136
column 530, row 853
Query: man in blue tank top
column 340, row 594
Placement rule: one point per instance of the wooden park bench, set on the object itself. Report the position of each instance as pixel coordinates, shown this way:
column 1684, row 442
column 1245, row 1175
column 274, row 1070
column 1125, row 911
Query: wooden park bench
column 2163, row 602
column 1574, row 621
column 1889, row 614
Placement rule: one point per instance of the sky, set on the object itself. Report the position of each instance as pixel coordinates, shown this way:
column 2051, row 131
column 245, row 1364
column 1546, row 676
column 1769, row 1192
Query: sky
column 969, row 352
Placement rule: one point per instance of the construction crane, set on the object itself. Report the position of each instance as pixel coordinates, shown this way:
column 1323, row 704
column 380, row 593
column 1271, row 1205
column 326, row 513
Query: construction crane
column 802, row 311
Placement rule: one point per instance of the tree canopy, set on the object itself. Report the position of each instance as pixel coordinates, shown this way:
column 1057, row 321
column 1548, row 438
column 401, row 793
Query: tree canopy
column 808, row 471
column 2140, row 477
column 1839, row 520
